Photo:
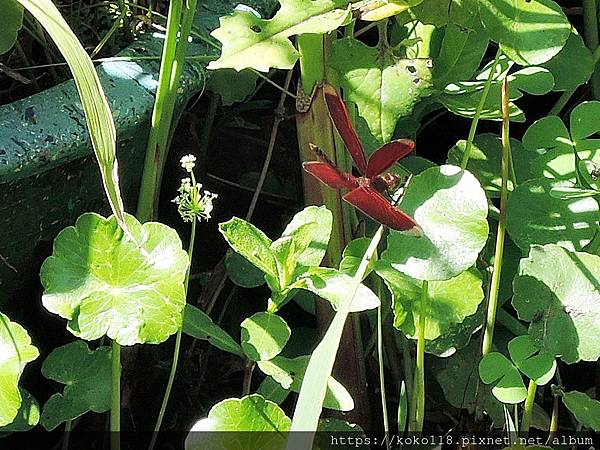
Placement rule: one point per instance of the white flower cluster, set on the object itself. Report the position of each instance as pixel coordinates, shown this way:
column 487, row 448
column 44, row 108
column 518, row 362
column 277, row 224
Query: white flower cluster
column 188, row 162
column 192, row 202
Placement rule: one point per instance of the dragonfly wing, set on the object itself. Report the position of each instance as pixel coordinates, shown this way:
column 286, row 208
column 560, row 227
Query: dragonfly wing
column 387, row 155
column 329, row 175
column 374, row 205
column 341, row 119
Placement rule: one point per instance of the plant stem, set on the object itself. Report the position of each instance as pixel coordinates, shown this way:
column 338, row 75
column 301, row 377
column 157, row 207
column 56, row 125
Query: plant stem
column 386, row 425
column 248, row 370
column 479, row 110
column 528, row 407
column 553, row 420
column 407, row 362
column 67, row 436
column 590, row 26
column 178, row 337
column 115, row 410
column 418, row 399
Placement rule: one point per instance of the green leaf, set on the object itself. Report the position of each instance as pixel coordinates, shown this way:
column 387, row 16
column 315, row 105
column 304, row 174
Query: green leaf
column 251, row 42
column 314, row 254
column 95, row 105
column 15, row 352
column 377, row 10
column 87, row 376
column 464, row 13
column 103, row 283
column 485, row 161
column 251, row 243
column 231, row 85
column 402, row 408
column 451, row 208
column 257, row 423
column 496, row 369
column 456, row 336
column 242, row 272
column 12, row 21
column 529, row 31
column 536, row 364
column 449, row 302
column 272, row 390
column 460, row 56
column 585, row 409
column 264, row 335
column 289, row 373
column 558, row 292
column 535, row 216
column 383, row 87
column 334, row 286
column 572, row 66
column 27, row 417
column 353, row 254
column 198, row 324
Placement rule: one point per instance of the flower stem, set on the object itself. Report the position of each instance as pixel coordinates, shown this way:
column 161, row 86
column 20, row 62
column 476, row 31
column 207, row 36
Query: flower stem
column 528, row 408
column 386, row 425
column 115, row 410
column 479, row 110
column 418, row 399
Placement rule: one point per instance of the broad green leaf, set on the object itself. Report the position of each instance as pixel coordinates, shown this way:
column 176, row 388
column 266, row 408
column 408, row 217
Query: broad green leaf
column 460, row 56
column 464, row 13
column 353, row 254
column 242, row 272
column 558, row 292
column 572, row 66
column 451, row 208
column 199, row 325
column 585, row 409
column 12, row 21
column 251, row 42
column 536, row 364
column 333, row 286
column 264, row 335
column 377, row 10
column 289, row 373
column 313, row 255
column 535, row 216
column 383, row 87
column 529, row 31
column 251, row 243
column 87, row 376
column 103, row 283
column 496, row 369
column 257, row 423
column 27, row 417
column 232, row 86
column 485, row 161
column 456, row 336
column 272, row 390
column 95, row 105
column 449, row 302
column 546, row 134
column 15, row 352
column 584, row 121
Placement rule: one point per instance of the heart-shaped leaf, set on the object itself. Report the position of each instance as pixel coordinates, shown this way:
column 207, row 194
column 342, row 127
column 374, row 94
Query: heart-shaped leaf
column 449, row 302
column 12, row 21
column 558, row 292
column 231, row 85
column 451, row 208
column 264, row 335
column 535, row 216
column 103, row 283
column 529, row 31
column 496, row 369
column 289, row 373
column 572, row 66
column 15, row 352
column 585, row 409
column 198, row 324
column 536, row 364
column 87, row 376
column 383, row 87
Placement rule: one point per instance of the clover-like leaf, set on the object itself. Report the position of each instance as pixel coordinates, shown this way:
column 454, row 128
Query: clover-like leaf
column 529, row 31
column 87, row 376
column 264, row 335
column 572, row 66
column 15, row 352
column 383, row 87
column 535, row 216
column 103, row 283
column 585, row 409
column 449, row 302
column 334, row 286
column 256, row 423
column 537, row 364
column 558, row 292
column 289, row 373
column 12, row 21
column 27, row 417
column 251, row 42
column 451, row 208
column 496, row 369
column 198, row 324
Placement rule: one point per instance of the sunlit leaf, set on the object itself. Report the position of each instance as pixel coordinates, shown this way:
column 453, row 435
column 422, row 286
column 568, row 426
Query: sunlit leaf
column 264, row 335
column 572, row 66
column 538, row 365
column 27, row 417
column 313, row 255
column 496, row 369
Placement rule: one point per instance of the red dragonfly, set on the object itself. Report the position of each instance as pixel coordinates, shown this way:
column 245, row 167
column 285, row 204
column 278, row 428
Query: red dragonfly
column 365, row 190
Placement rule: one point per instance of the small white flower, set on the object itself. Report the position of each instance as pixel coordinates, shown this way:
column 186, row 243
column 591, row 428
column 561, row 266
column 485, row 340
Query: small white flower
column 193, row 203
column 188, row 162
